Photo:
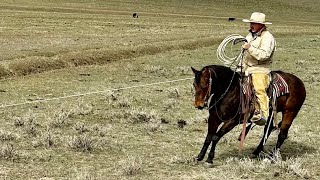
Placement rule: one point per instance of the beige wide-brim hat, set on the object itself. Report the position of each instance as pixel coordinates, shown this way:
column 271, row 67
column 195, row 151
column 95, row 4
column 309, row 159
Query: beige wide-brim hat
column 257, row 17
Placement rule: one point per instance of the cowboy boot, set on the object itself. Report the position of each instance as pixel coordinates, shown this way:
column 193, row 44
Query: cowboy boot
column 258, row 118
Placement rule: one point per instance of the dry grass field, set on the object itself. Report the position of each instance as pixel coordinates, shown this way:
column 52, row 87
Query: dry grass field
column 87, row 90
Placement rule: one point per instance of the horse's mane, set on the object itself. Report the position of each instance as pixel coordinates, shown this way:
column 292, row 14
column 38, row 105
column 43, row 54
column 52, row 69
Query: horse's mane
column 223, row 72
column 218, row 67
column 278, row 71
column 222, row 78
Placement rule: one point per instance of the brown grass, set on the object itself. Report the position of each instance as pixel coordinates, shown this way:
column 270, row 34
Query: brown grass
column 4, row 72
column 33, row 65
column 150, row 132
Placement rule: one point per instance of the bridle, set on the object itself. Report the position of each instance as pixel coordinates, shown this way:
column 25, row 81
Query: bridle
column 207, row 98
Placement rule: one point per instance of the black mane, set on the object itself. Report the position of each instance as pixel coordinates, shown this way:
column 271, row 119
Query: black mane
column 222, row 78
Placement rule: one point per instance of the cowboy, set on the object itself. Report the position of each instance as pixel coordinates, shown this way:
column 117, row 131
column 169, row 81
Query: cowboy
column 259, row 49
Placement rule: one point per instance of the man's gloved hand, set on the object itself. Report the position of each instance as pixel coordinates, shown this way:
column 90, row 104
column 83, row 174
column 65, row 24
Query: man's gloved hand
column 246, row 46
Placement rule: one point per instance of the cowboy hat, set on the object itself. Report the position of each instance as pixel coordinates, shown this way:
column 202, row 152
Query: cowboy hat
column 257, row 17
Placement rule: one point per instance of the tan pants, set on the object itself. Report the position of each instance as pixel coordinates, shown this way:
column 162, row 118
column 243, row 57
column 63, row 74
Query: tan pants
column 260, row 83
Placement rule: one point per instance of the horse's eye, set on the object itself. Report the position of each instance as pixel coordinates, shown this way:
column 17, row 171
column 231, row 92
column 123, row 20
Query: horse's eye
column 203, row 86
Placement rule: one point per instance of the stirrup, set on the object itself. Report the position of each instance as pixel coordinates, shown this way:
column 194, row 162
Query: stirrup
column 260, row 121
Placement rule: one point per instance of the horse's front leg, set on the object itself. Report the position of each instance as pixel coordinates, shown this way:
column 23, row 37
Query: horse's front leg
column 226, row 127
column 213, row 125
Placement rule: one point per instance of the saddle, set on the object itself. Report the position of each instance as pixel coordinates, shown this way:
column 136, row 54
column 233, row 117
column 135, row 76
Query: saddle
column 278, row 87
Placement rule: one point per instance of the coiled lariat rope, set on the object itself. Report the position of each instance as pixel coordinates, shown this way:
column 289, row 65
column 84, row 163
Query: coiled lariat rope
column 231, row 62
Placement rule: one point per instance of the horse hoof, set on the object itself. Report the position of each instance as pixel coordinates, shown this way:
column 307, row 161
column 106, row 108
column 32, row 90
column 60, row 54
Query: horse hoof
column 208, row 165
column 266, row 161
column 256, row 153
column 253, row 156
column 198, row 158
column 195, row 159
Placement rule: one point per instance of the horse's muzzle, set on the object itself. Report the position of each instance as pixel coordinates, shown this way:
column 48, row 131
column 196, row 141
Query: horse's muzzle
column 201, row 106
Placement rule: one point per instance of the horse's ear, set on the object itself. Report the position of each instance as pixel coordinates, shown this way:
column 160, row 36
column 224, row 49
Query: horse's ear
column 206, row 71
column 194, row 70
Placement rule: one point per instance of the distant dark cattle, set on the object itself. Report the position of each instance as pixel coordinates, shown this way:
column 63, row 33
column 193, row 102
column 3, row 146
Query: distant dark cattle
column 231, row 19
column 135, row 15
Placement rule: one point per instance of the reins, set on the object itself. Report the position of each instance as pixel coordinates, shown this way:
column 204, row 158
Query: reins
column 232, row 63
column 221, row 97
column 209, row 89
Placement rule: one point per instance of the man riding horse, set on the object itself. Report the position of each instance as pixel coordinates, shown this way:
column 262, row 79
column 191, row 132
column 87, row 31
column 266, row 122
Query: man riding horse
column 217, row 87
column 259, row 49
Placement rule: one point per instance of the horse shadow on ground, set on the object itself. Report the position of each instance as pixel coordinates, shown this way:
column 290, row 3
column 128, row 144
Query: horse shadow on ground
column 289, row 149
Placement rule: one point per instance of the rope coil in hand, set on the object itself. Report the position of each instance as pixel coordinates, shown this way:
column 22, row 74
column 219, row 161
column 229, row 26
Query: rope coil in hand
column 231, row 62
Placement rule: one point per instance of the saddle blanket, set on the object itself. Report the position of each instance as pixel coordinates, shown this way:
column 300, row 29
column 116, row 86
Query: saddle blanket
column 279, row 85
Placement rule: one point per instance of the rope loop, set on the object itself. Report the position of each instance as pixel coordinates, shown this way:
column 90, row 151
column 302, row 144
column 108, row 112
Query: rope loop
column 231, row 62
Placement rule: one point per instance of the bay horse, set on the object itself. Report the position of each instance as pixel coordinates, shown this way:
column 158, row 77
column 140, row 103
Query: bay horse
column 218, row 88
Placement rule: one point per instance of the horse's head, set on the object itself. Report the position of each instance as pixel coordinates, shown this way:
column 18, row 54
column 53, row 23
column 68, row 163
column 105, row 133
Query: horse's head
column 202, row 86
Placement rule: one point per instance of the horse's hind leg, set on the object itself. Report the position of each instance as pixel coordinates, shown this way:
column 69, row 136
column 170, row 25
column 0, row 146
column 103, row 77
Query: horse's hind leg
column 267, row 131
column 287, row 119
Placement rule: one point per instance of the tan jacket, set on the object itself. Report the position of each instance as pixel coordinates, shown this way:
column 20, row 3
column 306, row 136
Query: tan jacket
column 258, row 58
